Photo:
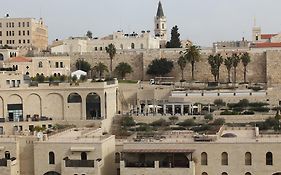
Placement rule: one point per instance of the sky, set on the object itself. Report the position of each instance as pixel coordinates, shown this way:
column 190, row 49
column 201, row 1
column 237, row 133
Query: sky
column 201, row 21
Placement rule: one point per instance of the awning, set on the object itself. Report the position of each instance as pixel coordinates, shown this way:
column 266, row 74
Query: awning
column 82, row 149
column 158, row 150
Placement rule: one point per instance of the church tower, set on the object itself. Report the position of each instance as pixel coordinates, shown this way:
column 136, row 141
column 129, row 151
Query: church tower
column 256, row 32
column 160, row 28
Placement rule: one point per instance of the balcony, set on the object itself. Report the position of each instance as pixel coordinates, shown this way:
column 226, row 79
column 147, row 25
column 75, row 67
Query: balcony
column 148, row 168
column 79, row 163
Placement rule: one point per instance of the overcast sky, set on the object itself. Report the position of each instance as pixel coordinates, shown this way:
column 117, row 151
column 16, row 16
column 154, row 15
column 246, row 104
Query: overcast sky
column 202, row 21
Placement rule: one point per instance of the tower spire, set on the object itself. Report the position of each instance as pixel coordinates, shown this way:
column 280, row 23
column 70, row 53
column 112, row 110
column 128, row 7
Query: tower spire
column 160, row 12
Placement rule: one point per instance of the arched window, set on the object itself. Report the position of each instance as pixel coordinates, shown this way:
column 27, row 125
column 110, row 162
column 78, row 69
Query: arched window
column 55, row 74
column 117, row 157
column 224, row 173
column 52, row 173
column 269, row 158
column 7, row 155
column 27, row 73
column 224, row 158
column 74, row 98
column 133, row 46
column 1, row 57
column 204, row 173
column 83, row 156
column 105, row 105
column 141, row 46
column 248, row 173
column 51, row 157
column 248, row 158
column 93, row 106
column 40, row 64
column 204, row 158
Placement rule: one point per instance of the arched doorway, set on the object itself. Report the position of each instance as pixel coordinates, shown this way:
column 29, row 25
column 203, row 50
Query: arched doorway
column 84, row 156
column 52, row 173
column 93, row 106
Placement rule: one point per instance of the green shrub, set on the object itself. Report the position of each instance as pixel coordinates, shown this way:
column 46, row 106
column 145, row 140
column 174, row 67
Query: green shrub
column 219, row 121
column 227, row 112
column 209, row 117
column 248, row 113
column 128, row 121
column 187, row 122
column 260, row 109
column 219, row 103
column 160, row 122
column 258, row 104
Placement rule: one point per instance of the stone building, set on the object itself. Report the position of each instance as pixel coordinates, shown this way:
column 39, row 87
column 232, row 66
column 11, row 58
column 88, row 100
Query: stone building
column 23, row 32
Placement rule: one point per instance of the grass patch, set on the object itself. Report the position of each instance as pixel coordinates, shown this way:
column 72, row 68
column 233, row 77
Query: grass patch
column 128, row 81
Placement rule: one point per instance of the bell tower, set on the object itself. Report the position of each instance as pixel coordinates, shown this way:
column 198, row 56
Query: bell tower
column 160, row 28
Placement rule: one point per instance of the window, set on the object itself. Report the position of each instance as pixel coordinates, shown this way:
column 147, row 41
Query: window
column 19, row 33
column 23, row 41
column 0, row 33
column 40, row 64
column 51, row 158
column 28, row 41
column 100, row 48
column 83, row 156
column 1, row 42
column 19, row 24
column 27, row 24
column 133, row 46
column 248, row 173
column 23, row 24
column 57, row 64
column 163, row 26
column 141, row 46
column 117, row 157
column 7, row 33
column 13, row 33
column 204, row 158
column 74, row 98
column 269, row 158
column 23, row 33
column 248, row 158
column 257, row 37
column 224, row 158
column 13, row 24
column 7, row 155
column 61, row 64
column 157, row 26
column 96, row 48
column 27, row 32
column 19, row 41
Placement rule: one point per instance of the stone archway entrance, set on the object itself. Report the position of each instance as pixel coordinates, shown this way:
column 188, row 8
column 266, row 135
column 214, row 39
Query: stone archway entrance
column 52, row 173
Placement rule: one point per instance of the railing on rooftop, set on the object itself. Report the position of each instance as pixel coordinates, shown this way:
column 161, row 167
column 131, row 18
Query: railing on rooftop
column 79, row 163
column 145, row 164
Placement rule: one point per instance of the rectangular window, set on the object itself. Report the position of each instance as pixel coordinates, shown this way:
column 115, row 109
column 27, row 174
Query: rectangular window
column 7, row 25
column 10, row 24
column 0, row 33
column 23, row 33
column 10, row 33
column 1, row 42
column 19, row 24
column 27, row 24
column 13, row 33
column 7, row 33
column 23, row 24
column 61, row 64
column 7, row 42
column 28, row 32
column 100, row 48
column 19, row 33
column 28, row 41
column 23, row 41
column 8, row 82
column 0, row 25
column 19, row 41
column 13, row 25
column 13, row 41
column 57, row 64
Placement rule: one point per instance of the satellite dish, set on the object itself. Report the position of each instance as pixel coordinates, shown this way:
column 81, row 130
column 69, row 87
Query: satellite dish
column 40, row 135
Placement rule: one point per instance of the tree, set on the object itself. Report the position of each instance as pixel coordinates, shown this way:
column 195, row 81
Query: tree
column 245, row 59
column 122, row 69
column 40, row 78
column 235, row 62
column 192, row 55
column 215, row 63
column 100, row 68
column 83, row 78
column 89, row 34
column 175, row 38
column 74, row 78
column 160, row 67
column 182, row 64
column 228, row 62
column 111, row 50
column 82, row 65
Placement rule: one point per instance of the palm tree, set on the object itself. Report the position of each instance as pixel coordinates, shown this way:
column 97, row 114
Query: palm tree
column 100, row 68
column 215, row 63
column 111, row 50
column 228, row 62
column 245, row 59
column 192, row 55
column 123, row 68
column 182, row 64
column 236, row 60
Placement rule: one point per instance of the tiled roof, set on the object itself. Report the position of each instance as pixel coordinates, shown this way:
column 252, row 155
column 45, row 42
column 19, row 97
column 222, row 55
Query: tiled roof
column 267, row 36
column 266, row 45
column 20, row 59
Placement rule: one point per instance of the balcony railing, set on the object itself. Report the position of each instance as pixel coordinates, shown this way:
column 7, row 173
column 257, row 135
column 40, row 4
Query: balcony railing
column 3, row 162
column 79, row 163
column 146, row 164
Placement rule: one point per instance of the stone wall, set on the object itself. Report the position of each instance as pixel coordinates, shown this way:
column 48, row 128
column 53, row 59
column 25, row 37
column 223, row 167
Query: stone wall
column 262, row 66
